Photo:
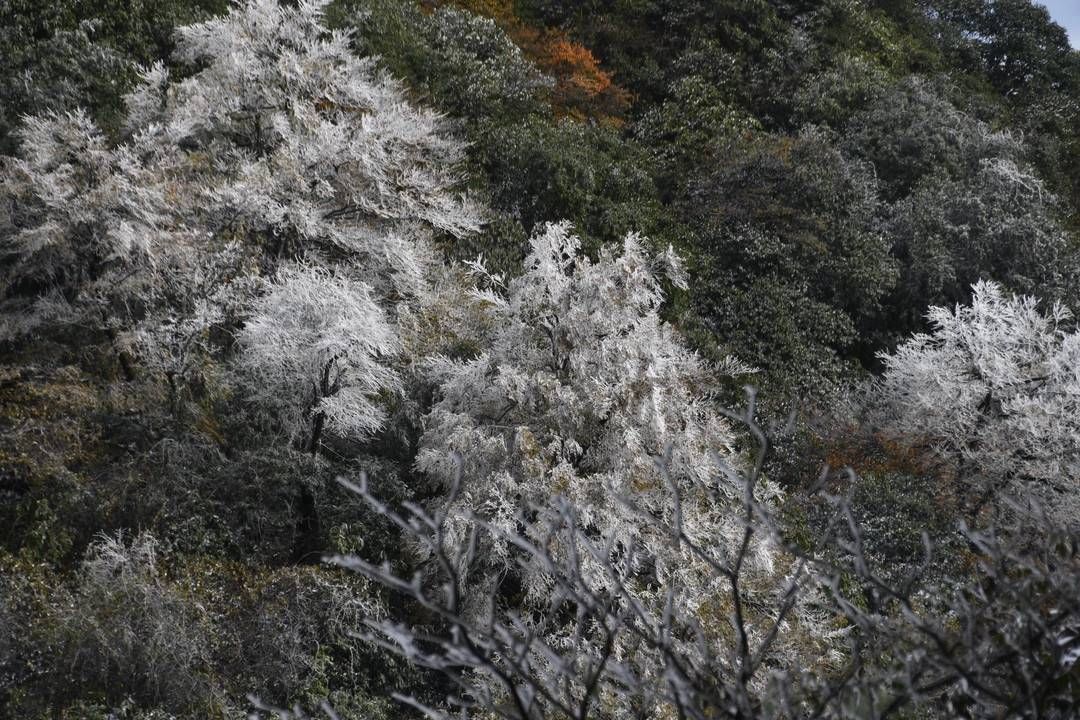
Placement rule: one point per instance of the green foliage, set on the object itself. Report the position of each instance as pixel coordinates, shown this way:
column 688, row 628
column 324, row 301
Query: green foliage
column 894, row 509
column 1022, row 51
column 639, row 40
column 51, row 434
column 1013, row 54
column 999, row 223
column 588, row 175
column 787, row 245
column 64, row 54
column 227, row 502
column 966, row 204
column 691, row 126
column 829, row 96
column 461, row 62
column 530, row 166
column 913, row 131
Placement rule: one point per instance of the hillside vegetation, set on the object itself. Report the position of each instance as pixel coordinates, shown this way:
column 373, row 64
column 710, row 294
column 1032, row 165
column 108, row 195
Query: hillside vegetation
column 536, row 359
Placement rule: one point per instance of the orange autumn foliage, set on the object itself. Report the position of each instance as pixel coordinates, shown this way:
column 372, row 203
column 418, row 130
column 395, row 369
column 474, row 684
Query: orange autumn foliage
column 583, row 90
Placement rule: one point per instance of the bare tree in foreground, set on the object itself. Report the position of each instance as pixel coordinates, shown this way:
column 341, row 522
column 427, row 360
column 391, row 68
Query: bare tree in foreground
column 1001, row 641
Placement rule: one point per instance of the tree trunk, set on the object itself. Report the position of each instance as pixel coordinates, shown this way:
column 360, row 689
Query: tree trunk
column 316, row 433
column 307, row 545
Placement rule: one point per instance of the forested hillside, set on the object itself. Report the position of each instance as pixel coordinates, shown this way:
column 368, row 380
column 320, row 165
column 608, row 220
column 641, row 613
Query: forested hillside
column 529, row 359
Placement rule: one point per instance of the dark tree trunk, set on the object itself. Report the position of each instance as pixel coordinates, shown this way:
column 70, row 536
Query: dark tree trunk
column 307, row 546
column 316, row 433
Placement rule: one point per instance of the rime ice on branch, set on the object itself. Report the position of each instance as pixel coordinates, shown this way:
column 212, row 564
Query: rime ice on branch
column 995, row 387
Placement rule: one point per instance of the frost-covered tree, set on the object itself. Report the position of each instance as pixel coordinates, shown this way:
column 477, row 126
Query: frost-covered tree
column 78, row 219
column 995, row 388
column 204, row 295
column 586, row 394
column 316, row 154
column 582, row 387
column 125, row 627
column 315, row 349
column 284, row 134
column 280, row 136
column 1000, row 640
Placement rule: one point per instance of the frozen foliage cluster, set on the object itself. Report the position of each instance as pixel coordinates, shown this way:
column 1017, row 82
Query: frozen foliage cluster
column 594, row 644
column 581, row 388
column 995, row 388
column 286, row 133
column 280, row 132
column 1004, row 642
column 80, row 219
column 159, row 642
column 321, row 336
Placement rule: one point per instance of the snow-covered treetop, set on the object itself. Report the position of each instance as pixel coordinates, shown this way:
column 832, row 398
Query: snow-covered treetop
column 279, row 137
column 316, row 347
column 78, row 219
column 582, row 389
column 303, row 140
column 996, row 384
column 584, row 394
